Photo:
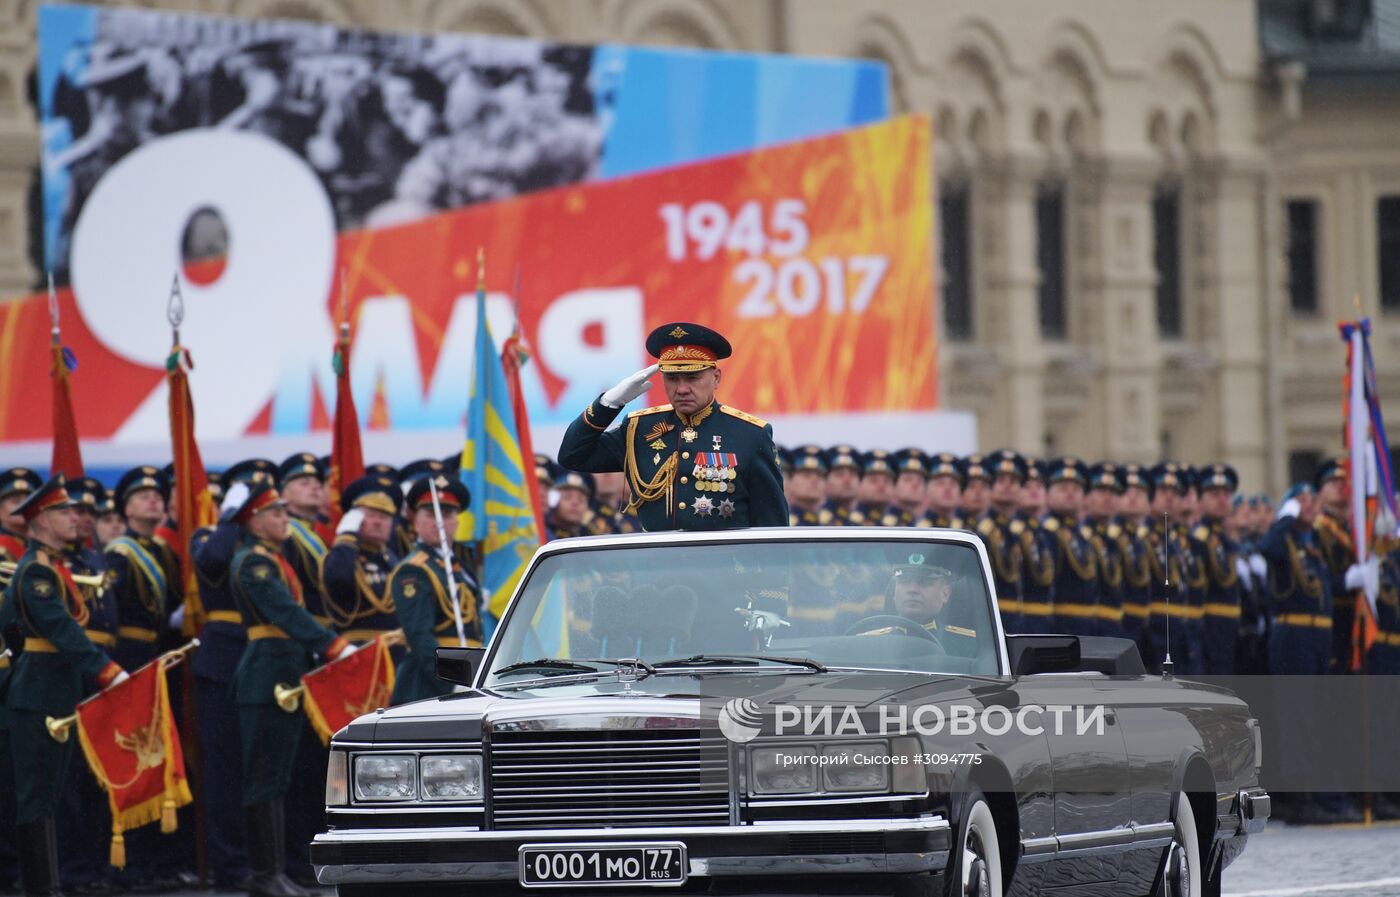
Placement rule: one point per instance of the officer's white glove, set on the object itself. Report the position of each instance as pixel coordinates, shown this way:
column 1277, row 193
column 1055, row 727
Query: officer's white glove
column 234, row 498
column 350, row 521
column 1356, row 576
column 1242, row 571
column 761, row 620
column 1290, row 508
column 347, row 651
column 120, row 678
column 177, row 619
column 1371, row 579
column 630, row 388
column 1256, row 563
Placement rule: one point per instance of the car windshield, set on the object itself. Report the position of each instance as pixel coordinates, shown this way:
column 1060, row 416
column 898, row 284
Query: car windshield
column 901, row 605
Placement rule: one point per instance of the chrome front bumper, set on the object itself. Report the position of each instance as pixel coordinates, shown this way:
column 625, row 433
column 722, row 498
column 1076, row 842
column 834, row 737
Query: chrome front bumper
column 367, row 856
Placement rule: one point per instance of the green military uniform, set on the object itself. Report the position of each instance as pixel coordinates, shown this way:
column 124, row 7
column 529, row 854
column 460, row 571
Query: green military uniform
column 422, row 596
column 715, row 469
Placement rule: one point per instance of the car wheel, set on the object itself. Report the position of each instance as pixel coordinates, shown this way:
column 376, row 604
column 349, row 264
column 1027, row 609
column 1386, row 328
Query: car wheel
column 1182, row 874
column 975, row 870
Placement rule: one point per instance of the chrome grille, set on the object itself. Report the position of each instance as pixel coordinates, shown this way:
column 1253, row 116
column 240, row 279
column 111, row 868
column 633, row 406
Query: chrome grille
column 615, row 778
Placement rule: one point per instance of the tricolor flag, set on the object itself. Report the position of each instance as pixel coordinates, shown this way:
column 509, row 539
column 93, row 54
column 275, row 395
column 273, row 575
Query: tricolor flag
column 343, row 689
column 130, row 742
column 502, row 516
column 1372, row 485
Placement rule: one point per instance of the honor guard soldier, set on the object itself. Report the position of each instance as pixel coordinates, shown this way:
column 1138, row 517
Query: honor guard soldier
column 1334, row 539
column 1217, row 484
column 110, row 524
column 1171, row 567
column 355, row 576
column 299, row 482
column 1134, row 510
column 283, row 638
column 1000, row 528
column 944, row 492
column 910, row 484
column 693, row 464
column 977, row 489
column 409, row 474
column 48, row 679
column 611, row 489
column 1194, row 568
column 142, row 570
column 876, row 485
column 843, row 474
column 16, row 485
column 423, row 595
column 1076, row 567
column 222, row 641
column 1384, row 657
column 807, row 487
column 1038, row 550
column 569, row 516
column 1101, row 514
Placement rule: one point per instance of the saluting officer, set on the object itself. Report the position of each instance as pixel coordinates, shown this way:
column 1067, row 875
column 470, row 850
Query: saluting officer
column 693, row 464
column 910, row 484
column 570, row 515
column 282, row 640
column 1076, row 567
column 1301, row 640
column 423, row 595
column 1038, row 549
column 356, row 573
column 1101, row 513
column 876, row 485
column 1134, row 508
column 807, row 487
column 944, row 492
column 47, row 680
column 1001, row 528
column 1217, row 483
column 843, row 475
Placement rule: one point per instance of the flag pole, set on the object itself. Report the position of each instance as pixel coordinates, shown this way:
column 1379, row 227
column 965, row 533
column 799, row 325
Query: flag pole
column 445, row 549
column 59, row 726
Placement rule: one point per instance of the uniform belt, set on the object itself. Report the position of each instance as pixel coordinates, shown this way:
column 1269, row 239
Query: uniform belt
column 137, row 634
column 1221, row 609
column 39, row 646
column 362, row 635
column 1010, row 605
column 4, row 661
column 1075, row 610
column 450, row 641
column 1135, row 610
column 1317, row 621
column 98, row 637
column 1040, row 608
column 265, row 630
column 1178, row 611
column 1108, row 612
column 224, row 616
column 324, row 621
column 1391, row 639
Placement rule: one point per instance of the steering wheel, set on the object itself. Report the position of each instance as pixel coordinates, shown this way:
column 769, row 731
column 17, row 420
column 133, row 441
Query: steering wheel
column 902, row 624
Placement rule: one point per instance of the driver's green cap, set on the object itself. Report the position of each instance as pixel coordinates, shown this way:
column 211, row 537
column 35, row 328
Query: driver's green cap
column 919, row 563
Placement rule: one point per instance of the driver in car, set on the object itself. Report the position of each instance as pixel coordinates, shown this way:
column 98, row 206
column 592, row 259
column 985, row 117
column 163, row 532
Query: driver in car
column 920, row 594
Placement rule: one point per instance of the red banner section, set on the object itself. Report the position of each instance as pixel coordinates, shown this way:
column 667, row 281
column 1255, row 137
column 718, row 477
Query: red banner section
column 814, row 258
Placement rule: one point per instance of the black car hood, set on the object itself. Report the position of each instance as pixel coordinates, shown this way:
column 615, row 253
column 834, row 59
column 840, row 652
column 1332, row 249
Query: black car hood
column 685, row 698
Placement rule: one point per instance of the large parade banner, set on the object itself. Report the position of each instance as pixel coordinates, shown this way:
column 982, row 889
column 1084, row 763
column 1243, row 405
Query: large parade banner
column 815, row 257
column 395, row 126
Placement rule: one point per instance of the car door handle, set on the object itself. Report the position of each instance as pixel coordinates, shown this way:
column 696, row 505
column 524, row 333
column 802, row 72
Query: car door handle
column 1110, row 717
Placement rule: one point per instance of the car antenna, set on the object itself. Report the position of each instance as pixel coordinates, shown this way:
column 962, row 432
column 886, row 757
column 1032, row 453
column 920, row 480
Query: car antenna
column 1167, row 589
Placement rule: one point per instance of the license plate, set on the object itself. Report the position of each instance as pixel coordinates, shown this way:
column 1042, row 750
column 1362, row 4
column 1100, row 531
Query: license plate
column 658, row 864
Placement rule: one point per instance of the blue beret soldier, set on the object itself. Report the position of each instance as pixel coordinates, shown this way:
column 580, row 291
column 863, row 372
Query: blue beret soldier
column 422, row 592
column 692, row 464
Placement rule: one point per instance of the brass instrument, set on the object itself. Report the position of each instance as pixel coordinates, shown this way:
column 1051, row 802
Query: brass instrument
column 288, row 697
column 8, row 568
column 61, row 726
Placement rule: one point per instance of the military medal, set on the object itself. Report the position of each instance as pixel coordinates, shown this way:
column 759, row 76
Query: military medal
column 716, row 440
column 689, row 434
column 704, row 507
column 726, row 508
column 656, row 458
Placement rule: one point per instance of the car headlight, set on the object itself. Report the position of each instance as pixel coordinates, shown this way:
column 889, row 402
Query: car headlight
column 856, row 767
column 451, row 777
column 385, row 777
column 783, row 770
column 337, row 780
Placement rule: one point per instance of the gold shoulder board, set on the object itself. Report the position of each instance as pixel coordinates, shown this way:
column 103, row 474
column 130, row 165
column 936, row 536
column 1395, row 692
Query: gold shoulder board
column 742, row 415
column 656, row 409
column 1051, row 524
column 986, row 526
column 1018, row 527
column 1114, row 530
column 1200, row 533
column 961, row 630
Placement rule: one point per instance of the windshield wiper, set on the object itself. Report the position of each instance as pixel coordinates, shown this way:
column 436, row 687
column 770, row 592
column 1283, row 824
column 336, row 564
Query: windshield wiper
column 739, row 660
column 577, row 665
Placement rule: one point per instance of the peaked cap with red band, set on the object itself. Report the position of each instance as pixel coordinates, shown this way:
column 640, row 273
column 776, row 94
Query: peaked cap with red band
column 48, row 497
column 681, row 347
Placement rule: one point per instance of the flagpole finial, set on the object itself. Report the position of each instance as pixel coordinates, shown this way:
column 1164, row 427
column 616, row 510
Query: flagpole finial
column 175, row 306
column 481, row 268
column 344, row 311
column 53, row 305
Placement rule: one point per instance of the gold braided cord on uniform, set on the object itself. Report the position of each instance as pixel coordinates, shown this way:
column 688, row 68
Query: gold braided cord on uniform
column 1001, row 556
column 1043, row 575
column 1311, row 585
column 1112, row 573
column 1085, row 571
column 659, row 486
column 444, row 599
column 342, row 618
column 1138, row 573
column 1223, row 574
column 1194, row 572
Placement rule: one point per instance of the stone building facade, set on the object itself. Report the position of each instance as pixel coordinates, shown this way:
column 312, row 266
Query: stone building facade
column 1151, row 214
